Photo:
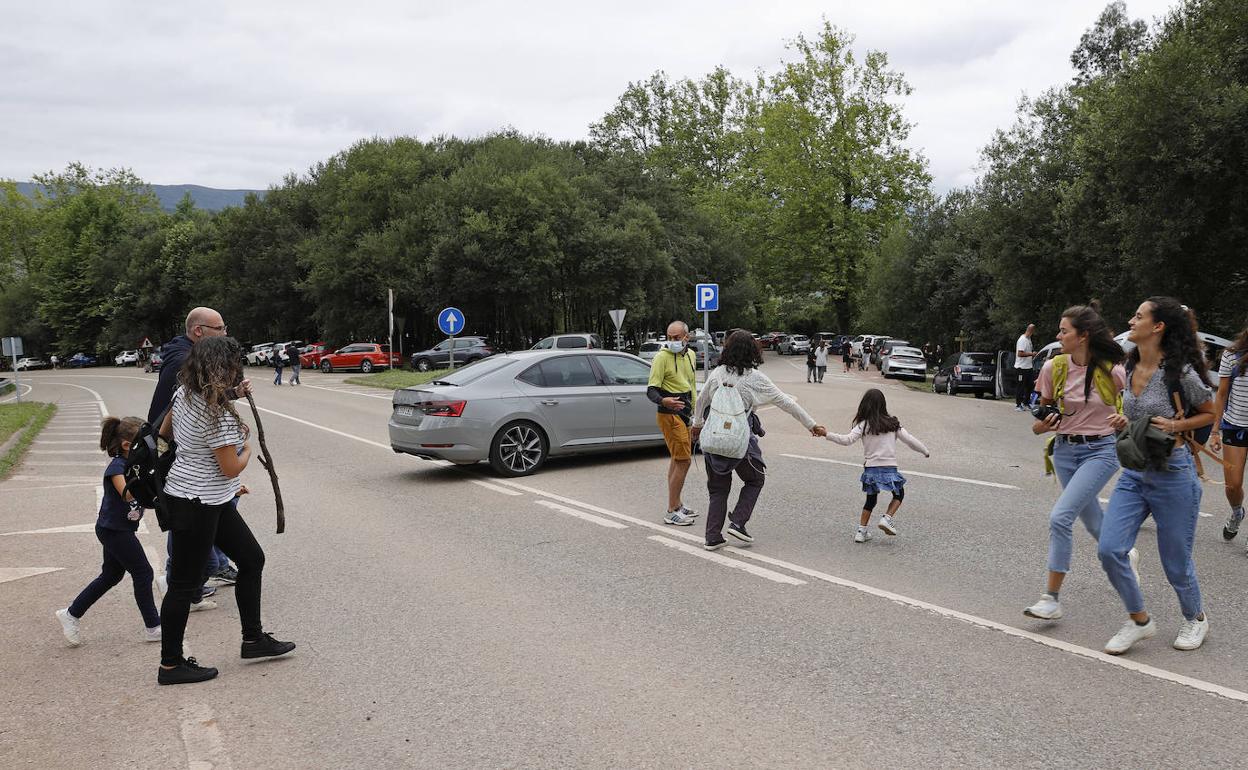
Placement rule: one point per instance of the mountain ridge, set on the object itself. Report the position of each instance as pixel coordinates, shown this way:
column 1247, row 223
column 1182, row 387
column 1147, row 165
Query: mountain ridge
column 169, row 195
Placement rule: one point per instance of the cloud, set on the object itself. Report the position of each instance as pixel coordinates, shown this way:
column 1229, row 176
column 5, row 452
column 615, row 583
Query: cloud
column 240, row 94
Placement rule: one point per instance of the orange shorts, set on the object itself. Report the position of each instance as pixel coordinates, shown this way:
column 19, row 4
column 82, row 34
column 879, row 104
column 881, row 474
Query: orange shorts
column 676, row 434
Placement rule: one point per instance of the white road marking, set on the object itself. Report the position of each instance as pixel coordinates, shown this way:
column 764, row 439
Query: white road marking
column 26, row 392
column 79, row 464
column 360, row 439
column 496, row 488
column 386, row 397
column 17, row 573
column 99, row 400
column 666, row 529
column 10, row 490
column 75, row 442
column 68, row 433
column 201, row 735
column 91, row 452
column 909, row 472
column 581, row 515
column 718, row 558
column 158, row 564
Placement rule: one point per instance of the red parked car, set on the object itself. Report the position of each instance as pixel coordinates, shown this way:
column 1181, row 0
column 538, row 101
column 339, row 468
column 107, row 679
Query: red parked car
column 365, row 356
column 311, row 357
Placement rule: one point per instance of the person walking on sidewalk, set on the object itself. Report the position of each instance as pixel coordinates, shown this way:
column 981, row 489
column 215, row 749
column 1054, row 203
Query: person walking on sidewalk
column 1083, row 385
column 1230, row 434
column 278, row 359
column 673, row 386
column 810, row 364
column 1165, row 367
column 115, row 528
column 201, row 488
column 1024, row 352
column 292, row 355
column 738, row 369
column 821, row 360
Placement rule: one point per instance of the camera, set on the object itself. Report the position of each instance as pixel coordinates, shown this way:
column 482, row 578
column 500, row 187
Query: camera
column 1042, row 411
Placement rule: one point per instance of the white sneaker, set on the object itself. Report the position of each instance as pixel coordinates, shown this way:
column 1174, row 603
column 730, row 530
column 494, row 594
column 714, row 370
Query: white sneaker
column 70, row 627
column 1129, row 634
column 1047, row 608
column 1192, row 634
column 1133, row 556
column 862, row 535
column 203, row 605
column 886, row 524
column 151, row 634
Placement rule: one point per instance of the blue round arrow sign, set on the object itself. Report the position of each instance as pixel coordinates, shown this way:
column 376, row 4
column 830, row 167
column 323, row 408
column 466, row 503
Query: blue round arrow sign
column 451, row 321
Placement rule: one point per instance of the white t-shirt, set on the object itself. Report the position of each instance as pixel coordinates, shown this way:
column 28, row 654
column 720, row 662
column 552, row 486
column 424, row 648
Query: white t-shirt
column 195, row 472
column 1024, row 343
column 1236, row 412
column 821, row 356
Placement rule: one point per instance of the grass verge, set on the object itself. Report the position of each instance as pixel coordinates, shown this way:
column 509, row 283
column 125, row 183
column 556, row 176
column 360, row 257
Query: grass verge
column 393, row 379
column 28, row 418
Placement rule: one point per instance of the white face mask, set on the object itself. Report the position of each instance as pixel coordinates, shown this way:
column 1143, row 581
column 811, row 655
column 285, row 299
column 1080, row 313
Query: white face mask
column 676, row 346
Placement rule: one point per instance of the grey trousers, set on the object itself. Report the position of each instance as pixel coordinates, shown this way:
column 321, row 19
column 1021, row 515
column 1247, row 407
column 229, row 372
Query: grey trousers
column 752, row 471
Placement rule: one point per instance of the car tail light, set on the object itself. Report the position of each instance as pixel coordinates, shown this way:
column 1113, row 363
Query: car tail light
column 442, row 408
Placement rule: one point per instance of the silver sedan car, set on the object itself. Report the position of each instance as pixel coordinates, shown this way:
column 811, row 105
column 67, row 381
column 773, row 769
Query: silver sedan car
column 518, row 409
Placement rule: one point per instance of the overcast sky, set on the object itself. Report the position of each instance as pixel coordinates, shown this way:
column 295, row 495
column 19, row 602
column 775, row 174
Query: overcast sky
column 236, row 95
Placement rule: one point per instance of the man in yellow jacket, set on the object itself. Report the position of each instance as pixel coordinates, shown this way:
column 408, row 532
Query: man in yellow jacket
column 673, row 387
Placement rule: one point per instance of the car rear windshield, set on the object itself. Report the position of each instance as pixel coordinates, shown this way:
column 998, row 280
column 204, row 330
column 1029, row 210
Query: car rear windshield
column 976, row 359
column 476, row 370
column 649, row 347
column 915, row 352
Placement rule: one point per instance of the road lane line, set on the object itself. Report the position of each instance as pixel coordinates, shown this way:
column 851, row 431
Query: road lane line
column 201, row 735
column 13, row 397
column 64, row 451
column 349, row 392
column 909, row 472
column 9, row 490
column 496, row 488
column 99, row 400
column 17, row 573
column 666, row 529
column 581, row 515
column 360, row 439
column 772, row 575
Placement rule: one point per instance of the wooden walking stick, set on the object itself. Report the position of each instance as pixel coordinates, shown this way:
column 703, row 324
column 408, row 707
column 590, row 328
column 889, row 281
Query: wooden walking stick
column 266, row 460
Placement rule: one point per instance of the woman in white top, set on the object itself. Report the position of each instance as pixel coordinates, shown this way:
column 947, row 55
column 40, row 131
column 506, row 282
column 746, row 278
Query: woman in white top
column 212, row 451
column 1230, row 427
column 738, row 367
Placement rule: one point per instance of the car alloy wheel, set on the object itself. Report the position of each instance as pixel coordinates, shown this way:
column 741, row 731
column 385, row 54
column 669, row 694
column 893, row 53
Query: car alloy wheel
column 366, row 367
column 950, row 388
column 326, row 367
column 518, row 450
column 422, row 365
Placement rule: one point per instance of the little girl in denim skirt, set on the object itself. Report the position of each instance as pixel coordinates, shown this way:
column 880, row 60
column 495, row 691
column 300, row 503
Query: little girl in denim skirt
column 879, row 432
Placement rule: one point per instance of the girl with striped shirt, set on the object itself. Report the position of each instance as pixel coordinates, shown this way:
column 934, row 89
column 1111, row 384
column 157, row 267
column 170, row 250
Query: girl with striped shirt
column 1230, row 434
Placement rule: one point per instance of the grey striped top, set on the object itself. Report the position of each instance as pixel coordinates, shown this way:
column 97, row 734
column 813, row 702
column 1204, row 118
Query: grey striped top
column 195, row 472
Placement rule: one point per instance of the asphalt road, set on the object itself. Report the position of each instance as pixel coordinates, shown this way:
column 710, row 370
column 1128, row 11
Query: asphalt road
column 448, row 618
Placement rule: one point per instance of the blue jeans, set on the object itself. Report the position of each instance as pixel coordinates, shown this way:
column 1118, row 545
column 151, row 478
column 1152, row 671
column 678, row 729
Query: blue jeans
column 1083, row 469
column 1172, row 497
column 277, row 380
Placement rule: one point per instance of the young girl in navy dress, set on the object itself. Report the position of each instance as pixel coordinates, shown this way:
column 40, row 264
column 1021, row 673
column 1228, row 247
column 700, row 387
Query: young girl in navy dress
column 879, row 432
column 115, row 528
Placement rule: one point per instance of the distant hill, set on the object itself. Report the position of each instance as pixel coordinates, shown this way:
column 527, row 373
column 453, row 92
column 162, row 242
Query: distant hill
column 207, row 198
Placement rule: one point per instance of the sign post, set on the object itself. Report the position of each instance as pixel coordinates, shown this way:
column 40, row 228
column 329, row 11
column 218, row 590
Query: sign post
column 617, row 318
column 706, row 300
column 451, row 323
column 12, row 346
column 390, row 311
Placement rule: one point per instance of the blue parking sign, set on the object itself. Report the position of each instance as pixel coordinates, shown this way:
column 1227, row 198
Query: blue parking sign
column 706, row 297
column 451, row 321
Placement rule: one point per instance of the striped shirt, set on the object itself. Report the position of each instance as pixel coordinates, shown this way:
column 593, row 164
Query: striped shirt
column 1236, row 412
column 195, row 472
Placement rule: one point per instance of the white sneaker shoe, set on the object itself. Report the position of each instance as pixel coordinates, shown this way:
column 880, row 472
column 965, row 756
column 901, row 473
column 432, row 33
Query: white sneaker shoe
column 1047, row 608
column 203, row 605
column 886, row 524
column 151, row 634
column 70, row 627
column 1129, row 634
column 1192, row 634
column 1133, row 556
column 862, row 535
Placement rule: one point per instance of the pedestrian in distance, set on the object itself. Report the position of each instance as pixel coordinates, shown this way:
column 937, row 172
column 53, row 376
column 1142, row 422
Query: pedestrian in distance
column 201, row 488
column 821, row 360
column 278, row 360
column 1024, row 352
column 737, row 379
column 864, row 355
column 1230, row 435
column 847, row 356
column 879, row 433
column 673, row 387
column 810, row 364
column 1165, row 369
column 292, row 354
column 115, row 526
column 1080, row 391
column 56, row 362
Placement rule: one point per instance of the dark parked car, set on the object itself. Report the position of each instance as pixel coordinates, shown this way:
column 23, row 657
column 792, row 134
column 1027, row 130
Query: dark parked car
column 967, row 373
column 79, row 360
column 467, row 350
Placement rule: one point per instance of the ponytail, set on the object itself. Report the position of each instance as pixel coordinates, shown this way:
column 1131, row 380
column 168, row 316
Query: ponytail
column 114, row 430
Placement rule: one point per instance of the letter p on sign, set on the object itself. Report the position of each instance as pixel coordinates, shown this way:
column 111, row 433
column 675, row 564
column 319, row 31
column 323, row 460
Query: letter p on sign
column 706, row 297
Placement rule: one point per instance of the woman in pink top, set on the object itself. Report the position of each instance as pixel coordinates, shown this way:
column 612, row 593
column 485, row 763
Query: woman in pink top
column 880, row 433
column 1083, row 451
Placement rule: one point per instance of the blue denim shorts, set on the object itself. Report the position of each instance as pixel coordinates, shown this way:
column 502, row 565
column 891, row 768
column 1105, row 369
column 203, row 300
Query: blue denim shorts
column 885, row 479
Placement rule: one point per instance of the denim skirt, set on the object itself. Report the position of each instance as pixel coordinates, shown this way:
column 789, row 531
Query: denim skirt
column 885, row 479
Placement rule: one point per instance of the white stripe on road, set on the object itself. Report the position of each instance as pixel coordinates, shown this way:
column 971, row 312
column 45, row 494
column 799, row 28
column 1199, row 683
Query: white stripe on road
column 92, row 452
column 692, row 550
column 9, row 490
column 201, row 735
column 17, row 573
column 99, row 400
column 664, row 528
column 77, row 442
column 360, row 439
column 496, row 488
column 581, row 514
column 977, row 482
column 26, row 392
column 158, row 564
column 387, row 397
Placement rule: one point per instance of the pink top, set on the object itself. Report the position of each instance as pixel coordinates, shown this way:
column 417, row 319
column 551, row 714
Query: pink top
column 1081, row 419
column 879, row 449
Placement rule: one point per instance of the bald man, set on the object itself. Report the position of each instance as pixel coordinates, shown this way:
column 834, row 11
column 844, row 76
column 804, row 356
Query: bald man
column 673, row 387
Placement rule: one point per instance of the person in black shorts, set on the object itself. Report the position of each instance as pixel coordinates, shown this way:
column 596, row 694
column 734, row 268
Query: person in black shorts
column 1230, row 434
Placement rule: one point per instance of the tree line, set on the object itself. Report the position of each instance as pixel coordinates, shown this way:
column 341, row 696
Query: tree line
column 796, row 190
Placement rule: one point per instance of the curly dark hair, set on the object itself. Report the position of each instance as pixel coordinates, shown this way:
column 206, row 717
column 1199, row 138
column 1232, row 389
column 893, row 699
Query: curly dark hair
column 1179, row 344
column 740, row 353
column 211, row 370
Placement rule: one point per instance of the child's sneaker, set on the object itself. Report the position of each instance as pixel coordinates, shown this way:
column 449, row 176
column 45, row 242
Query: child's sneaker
column 862, row 535
column 151, row 634
column 887, row 524
column 70, row 627
column 1231, row 528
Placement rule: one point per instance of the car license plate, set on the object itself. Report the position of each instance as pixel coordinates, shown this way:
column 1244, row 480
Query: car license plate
column 982, row 378
column 405, row 411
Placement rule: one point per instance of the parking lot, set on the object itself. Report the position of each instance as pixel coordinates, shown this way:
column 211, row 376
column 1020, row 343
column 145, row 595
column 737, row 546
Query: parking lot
column 450, row 617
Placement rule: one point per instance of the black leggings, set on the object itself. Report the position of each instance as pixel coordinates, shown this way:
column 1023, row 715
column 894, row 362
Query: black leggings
column 122, row 553
column 874, row 498
column 200, row 527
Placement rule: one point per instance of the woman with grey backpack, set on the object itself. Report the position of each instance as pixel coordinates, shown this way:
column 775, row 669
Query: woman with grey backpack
column 725, row 423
